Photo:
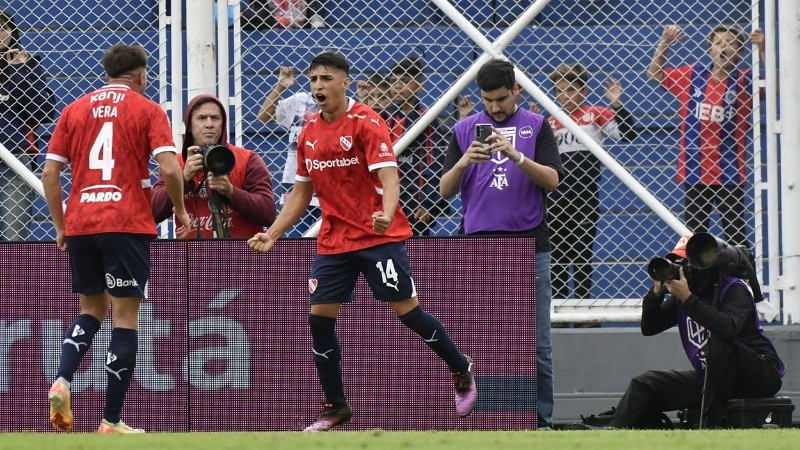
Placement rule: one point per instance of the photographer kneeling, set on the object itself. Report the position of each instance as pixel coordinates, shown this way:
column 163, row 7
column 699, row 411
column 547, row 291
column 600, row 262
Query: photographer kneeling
column 228, row 189
column 721, row 334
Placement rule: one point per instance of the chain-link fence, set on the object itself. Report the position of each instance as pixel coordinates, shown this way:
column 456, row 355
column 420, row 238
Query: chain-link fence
column 62, row 43
column 678, row 121
column 592, row 58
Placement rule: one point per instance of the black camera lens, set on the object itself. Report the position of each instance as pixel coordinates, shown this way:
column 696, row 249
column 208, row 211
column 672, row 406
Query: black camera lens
column 217, row 159
column 703, row 250
column 708, row 252
column 662, row 269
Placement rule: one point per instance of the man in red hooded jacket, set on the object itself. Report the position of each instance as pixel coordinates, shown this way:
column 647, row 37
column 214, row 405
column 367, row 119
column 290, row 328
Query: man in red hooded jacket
column 246, row 192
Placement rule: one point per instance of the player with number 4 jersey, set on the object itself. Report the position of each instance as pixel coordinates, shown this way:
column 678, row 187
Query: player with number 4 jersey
column 107, row 137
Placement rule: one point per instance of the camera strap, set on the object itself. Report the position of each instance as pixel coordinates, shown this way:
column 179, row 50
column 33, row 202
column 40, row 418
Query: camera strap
column 219, row 210
column 219, row 214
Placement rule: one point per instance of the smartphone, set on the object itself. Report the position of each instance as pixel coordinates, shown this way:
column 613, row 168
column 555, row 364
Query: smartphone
column 482, row 132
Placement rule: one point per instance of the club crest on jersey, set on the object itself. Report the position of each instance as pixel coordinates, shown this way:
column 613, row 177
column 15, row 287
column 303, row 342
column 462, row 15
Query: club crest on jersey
column 730, row 96
column 346, row 142
column 498, row 158
column 312, row 285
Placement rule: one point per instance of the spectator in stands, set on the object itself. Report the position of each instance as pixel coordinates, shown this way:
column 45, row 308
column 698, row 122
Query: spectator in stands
column 315, row 14
column 376, row 92
column 354, row 172
column 290, row 113
column 263, row 14
column 420, row 165
column 715, row 112
column 722, row 338
column 465, row 105
column 504, row 189
column 107, row 137
column 235, row 205
column 574, row 206
column 25, row 102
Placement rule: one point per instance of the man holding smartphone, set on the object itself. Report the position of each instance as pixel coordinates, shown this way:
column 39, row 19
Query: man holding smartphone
column 504, row 189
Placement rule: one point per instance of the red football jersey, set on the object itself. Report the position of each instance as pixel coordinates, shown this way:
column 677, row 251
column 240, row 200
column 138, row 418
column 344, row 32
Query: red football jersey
column 340, row 159
column 708, row 161
column 107, row 137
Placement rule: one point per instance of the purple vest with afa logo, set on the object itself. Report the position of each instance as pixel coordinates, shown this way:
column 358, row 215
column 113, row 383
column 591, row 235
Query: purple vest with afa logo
column 497, row 195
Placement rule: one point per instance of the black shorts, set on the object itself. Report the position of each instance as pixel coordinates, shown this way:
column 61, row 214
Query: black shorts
column 385, row 267
column 116, row 262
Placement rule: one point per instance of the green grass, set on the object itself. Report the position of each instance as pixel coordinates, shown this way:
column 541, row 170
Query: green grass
column 443, row 440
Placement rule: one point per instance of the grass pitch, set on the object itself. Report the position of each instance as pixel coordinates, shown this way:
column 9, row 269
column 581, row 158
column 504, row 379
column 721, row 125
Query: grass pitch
column 441, row 440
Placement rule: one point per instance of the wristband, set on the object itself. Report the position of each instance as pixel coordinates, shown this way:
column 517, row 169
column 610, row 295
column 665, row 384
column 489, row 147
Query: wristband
column 521, row 159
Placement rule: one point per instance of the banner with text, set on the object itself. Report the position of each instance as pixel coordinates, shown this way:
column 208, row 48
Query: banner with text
column 224, row 341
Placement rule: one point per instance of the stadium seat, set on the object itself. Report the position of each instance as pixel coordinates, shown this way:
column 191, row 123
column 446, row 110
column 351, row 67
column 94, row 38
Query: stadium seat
column 86, row 14
column 260, row 57
column 59, row 57
column 643, row 12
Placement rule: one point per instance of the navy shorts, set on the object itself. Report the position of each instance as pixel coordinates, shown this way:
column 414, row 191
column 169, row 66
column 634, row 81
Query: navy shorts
column 116, row 262
column 385, row 267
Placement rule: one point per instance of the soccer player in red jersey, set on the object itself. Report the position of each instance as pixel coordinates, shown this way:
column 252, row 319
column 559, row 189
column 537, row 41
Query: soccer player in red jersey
column 345, row 155
column 715, row 112
column 107, row 138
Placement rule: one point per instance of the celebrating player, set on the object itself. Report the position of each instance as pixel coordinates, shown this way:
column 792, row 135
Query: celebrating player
column 345, row 154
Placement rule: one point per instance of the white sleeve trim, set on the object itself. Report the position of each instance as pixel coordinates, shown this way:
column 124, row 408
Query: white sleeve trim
column 380, row 165
column 302, row 178
column 58, row 158
column 165, row 149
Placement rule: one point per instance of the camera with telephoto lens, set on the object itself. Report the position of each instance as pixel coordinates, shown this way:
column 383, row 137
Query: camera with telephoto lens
column 217, row 159
column 662, row 269
column 705, row 252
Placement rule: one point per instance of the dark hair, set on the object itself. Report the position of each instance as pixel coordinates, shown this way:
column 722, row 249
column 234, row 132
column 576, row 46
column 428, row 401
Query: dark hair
column 571, row 73
column 496, row 74
column 330, row 59
column 122, row 59
column 7, row 21
column 411, row 66
column 735, row 31
column 378, row 79
column 202, row 101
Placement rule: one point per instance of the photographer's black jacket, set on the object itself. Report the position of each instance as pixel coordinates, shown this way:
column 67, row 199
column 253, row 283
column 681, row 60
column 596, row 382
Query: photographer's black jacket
column 734, row 319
